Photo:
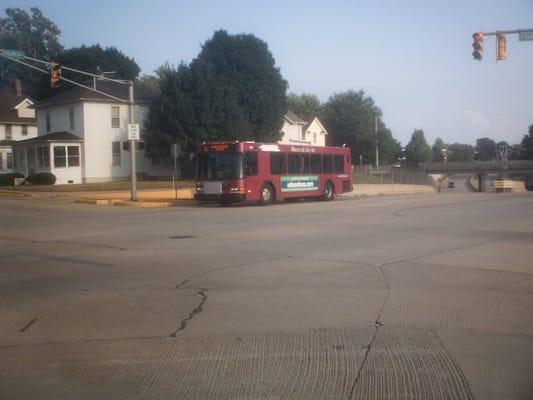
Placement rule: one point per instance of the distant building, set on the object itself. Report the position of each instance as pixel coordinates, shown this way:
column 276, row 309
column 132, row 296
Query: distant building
column 17, row 122
column 296, row 130
column 83, row 136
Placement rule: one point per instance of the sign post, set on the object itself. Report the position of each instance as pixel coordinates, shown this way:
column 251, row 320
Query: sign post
column 175, row 152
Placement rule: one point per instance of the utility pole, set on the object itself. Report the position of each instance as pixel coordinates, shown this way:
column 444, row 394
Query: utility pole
column 133, row 164
column 376, row 133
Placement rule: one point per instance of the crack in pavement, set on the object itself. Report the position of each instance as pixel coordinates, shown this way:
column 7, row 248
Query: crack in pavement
column 28, row 325
column 197, row 310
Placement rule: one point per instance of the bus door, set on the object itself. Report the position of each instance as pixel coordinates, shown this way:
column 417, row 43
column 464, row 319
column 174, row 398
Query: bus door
column 251, row 175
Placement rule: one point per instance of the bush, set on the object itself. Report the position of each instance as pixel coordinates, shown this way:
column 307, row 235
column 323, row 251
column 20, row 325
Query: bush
column 9, row 179
column 41, row 178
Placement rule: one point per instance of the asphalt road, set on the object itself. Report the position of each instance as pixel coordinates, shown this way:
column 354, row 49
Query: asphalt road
column 407, row 297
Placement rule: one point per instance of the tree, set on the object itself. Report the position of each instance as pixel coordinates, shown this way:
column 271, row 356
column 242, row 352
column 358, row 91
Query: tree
column 485, row 148
column 527, row 144
column 437, row 148
column 417, row 150
column 232, row 90
column 305, row 105
column 96, row 59
column 461, row 152
column 349, row 119
column 38, row 37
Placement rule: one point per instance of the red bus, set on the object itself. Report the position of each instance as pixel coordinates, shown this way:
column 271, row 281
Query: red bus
column 248, row 171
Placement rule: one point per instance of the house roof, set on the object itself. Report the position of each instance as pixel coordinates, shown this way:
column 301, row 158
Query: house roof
column 77, row 93
column 50, row 137
column 310, row 121
column 293, row 118
column 7, row 142
column 8, row 112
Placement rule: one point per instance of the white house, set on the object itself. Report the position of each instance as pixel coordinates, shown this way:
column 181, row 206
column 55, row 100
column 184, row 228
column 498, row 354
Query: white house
column 82, row 136
column 17, row 122
column 296, row 130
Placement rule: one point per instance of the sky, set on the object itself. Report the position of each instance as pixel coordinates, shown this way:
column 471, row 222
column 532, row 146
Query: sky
column 414, row 58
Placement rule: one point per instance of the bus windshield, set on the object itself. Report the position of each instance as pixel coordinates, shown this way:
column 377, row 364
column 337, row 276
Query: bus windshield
column 215, row 166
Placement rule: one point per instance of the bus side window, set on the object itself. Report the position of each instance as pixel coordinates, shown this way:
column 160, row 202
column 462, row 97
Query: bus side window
column 316, row 167
column 305, row 164
column 277, row 163
column 294, row 163
column 327, row 163
column 339, row 164
column 250, row 163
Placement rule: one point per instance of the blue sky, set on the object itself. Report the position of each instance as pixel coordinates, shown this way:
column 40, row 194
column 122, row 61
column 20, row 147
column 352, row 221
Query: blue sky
column 413, row 57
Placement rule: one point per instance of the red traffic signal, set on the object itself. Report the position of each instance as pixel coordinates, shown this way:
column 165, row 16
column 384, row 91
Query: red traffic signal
column 478, row 46
column 55, row 74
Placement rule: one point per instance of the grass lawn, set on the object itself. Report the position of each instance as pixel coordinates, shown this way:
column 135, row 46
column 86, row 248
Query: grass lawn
column 102, row 186
column 371, row 179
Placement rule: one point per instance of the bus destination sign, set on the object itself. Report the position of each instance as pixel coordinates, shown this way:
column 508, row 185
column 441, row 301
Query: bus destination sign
column 218, row 147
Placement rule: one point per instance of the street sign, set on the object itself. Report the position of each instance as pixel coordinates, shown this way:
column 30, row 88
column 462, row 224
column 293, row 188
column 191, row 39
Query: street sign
column 525, row 35
column 133, row 132
column 16, row 54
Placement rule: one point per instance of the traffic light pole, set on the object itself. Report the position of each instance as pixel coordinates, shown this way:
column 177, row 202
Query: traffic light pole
column 17, row 57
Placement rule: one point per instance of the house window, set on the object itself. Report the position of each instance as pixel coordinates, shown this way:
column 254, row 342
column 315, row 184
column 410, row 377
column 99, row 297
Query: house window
column 71, row 118
column 9, row 160
column 303, row 135
column 43, row 157
column 115, row 117
column 115, row 148
column 60, row 157
column 314, row 137
column 24, row 130
column 73, row 153
column 48, row 122
column 8, row 132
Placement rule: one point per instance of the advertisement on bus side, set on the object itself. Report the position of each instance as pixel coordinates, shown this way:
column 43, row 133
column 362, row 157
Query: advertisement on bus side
column 299, row 183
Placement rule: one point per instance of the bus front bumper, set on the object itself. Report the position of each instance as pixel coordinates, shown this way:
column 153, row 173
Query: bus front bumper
column 224, row 197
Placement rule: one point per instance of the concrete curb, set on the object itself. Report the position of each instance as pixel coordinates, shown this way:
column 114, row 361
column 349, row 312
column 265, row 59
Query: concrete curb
column 13, row 194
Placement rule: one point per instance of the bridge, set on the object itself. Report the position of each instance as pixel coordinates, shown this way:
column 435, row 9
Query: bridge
column 481, row 169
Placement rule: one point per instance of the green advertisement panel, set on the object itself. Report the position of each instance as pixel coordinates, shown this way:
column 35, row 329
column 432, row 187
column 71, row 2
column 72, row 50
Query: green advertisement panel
column 298, row 183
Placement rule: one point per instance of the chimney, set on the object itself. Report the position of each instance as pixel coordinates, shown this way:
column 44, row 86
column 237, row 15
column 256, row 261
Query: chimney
column 18, row 87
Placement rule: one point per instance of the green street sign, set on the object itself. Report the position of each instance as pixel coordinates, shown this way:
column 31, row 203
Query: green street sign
column 17, row 54
column 525, row 36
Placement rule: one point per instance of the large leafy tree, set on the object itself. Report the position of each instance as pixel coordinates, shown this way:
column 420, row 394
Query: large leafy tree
column 96, row 59
column 460, row 152
column 437, row 148
column 38, row 37
column 349, row 119
column 304, row 105
column 485, row 148
column 232, row 90
column 417, row 150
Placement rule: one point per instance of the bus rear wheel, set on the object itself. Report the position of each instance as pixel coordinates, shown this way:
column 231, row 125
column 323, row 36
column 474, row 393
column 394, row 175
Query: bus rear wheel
column 329, row 192
column 266, row 195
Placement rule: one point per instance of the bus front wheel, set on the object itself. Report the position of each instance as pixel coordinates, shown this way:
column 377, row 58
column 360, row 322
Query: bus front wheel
column 329, row 192
column 266, row 195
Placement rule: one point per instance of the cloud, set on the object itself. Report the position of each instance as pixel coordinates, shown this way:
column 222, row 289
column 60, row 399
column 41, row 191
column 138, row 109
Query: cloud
column 478, row 121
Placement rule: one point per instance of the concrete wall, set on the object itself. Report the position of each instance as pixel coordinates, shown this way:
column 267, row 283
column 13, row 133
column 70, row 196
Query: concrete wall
column 376, row 190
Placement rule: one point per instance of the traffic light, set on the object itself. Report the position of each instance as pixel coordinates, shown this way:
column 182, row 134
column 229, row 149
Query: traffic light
column 478, row 46
column 502, row 47
column 55, row 74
